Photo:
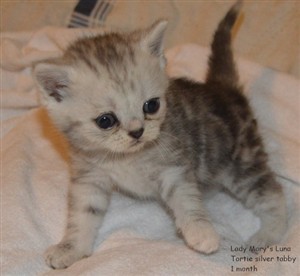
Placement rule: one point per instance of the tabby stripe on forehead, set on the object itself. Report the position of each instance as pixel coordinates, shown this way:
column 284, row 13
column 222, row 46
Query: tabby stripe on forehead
column 86, row 59
column 85, row 55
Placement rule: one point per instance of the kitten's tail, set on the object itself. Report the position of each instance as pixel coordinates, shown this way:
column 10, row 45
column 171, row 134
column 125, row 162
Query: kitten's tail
column 221, row 62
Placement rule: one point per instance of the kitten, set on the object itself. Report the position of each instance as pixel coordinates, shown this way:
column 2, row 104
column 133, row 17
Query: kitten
column 131, row 127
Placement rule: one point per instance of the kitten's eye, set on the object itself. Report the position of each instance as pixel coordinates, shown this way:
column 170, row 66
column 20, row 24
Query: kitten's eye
column 106, row 121
column 151, row 106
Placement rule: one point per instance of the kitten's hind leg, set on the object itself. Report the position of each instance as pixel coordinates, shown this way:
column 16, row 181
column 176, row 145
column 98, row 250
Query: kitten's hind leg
column 88, row 204
column 269, row 205
column 265, row 197
column 184, row 200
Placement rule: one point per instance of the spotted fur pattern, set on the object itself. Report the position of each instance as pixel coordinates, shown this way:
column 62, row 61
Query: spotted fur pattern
column 203, row 135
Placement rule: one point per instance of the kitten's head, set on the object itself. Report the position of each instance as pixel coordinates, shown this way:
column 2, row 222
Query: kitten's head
column 108, row 92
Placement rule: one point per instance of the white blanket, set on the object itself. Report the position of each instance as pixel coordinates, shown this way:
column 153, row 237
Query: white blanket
column 137, row 238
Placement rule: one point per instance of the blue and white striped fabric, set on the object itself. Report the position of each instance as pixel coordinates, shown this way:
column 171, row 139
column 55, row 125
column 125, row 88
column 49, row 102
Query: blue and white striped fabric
column 90, row 13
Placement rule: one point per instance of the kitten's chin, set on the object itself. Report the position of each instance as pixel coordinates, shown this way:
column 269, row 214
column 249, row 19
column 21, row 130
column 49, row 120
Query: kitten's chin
column 135, row 146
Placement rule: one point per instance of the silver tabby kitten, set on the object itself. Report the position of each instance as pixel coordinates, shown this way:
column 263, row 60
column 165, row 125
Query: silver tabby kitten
column 131, row 127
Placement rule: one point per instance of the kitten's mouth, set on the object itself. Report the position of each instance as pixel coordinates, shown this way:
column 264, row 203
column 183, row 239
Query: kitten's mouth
column 136, row 145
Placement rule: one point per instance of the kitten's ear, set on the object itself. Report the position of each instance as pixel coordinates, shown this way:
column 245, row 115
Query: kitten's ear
column 152, row 38
column 53, row 80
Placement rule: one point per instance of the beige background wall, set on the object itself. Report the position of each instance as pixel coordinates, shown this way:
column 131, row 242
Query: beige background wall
column 269, row 33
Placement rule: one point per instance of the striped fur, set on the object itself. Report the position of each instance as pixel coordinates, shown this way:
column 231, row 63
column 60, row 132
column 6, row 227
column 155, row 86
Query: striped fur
column 204, row 135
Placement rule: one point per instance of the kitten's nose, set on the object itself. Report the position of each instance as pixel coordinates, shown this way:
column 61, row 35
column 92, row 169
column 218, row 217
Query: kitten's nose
column 136, row 133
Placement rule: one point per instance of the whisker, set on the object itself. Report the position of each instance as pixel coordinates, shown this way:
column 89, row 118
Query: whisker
column 156, row 143
column 165, row 149
column 171, row 136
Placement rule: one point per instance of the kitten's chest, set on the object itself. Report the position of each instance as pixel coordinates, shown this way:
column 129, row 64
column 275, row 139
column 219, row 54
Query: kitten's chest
column 139, row 178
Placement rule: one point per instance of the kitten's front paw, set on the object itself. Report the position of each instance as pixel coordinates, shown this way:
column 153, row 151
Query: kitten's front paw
column 63, row 255
column 201, row 237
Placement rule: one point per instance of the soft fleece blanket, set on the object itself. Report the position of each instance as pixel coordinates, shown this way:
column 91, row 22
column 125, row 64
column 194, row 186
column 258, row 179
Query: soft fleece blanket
column 137, row 238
